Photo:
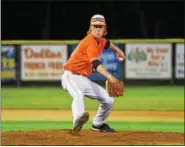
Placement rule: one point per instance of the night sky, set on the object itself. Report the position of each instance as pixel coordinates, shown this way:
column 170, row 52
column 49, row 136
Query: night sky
column 70, row 20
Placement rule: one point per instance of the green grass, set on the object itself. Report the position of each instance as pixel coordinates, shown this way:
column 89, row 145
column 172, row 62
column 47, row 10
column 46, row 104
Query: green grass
column 141, row 98
column 8, row 126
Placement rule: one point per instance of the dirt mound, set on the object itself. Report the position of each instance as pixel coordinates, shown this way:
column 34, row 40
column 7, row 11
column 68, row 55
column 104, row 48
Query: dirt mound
column 88, row 137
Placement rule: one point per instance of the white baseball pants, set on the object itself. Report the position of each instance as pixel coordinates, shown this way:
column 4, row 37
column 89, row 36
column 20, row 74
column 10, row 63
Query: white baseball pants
column 78, row 87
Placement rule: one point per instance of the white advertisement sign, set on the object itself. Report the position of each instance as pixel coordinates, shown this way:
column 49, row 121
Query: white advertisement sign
column 148, row 61
column 179, row 63
column 42, row 62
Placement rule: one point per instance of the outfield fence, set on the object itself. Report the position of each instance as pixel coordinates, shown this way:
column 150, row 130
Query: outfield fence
column 148, row 62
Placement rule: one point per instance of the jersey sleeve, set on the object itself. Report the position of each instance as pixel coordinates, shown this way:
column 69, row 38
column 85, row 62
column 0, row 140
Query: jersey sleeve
column 106, row 43
column 92, row 51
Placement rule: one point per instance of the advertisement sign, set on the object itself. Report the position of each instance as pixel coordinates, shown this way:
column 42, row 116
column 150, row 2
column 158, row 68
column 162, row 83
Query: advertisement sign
column 179, row 63
column 148, row 61
column 42, row 62
column 8, row 63
column 108, row 59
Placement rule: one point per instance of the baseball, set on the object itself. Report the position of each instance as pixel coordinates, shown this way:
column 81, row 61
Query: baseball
column 120, row 59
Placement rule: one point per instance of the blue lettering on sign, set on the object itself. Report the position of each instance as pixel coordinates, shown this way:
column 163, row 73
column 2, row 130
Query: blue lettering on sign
column 109, row 60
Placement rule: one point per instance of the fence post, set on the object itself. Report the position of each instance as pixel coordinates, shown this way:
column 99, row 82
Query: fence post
column 18, row 62
column 173, row 64
column 122, row 71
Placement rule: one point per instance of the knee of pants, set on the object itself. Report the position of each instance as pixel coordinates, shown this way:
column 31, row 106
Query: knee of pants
column 78, row 99
column 109, row 101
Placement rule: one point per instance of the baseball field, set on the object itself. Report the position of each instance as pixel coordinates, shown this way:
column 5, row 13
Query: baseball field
column 42, row 116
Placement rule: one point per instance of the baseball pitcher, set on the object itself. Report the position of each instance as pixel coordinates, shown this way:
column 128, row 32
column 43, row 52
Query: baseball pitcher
column 82, row 62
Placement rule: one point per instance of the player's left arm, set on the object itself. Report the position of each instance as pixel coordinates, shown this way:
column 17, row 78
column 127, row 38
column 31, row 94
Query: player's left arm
column 119, row 52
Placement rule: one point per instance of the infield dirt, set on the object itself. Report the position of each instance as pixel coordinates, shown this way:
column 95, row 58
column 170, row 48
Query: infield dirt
column 88, row 137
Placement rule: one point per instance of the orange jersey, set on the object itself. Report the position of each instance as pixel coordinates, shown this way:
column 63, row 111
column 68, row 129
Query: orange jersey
column 87, row 50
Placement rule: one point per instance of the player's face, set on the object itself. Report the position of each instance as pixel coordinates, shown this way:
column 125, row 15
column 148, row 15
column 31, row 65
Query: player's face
column 97, row 30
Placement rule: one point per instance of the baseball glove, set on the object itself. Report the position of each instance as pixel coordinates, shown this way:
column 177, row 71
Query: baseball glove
column 115, row 89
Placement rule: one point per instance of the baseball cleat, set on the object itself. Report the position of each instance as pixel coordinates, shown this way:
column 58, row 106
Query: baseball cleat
column 80, row 122
column 103, row 128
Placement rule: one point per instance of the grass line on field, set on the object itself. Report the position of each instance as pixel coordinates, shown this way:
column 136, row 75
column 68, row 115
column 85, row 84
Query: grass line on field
column 8, row 126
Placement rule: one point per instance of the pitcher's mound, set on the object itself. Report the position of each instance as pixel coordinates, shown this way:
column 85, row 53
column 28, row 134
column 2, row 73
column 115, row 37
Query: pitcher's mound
column 88, row 137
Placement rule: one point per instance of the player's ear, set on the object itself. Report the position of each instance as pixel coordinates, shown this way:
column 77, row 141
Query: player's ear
column 105, row 32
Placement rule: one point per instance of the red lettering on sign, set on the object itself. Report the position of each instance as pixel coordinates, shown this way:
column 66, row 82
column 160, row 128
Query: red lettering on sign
column 163, row 50
column 43, row 53
column 32, row 65
column 55, row 65
column 153, row 63
column 155, row 57
column 150, row 50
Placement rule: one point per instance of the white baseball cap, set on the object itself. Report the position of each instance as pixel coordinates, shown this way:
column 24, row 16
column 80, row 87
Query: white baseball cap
column 98, row 20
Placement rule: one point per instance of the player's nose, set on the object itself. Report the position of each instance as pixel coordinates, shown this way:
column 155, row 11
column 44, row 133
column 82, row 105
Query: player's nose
column 98, row 29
